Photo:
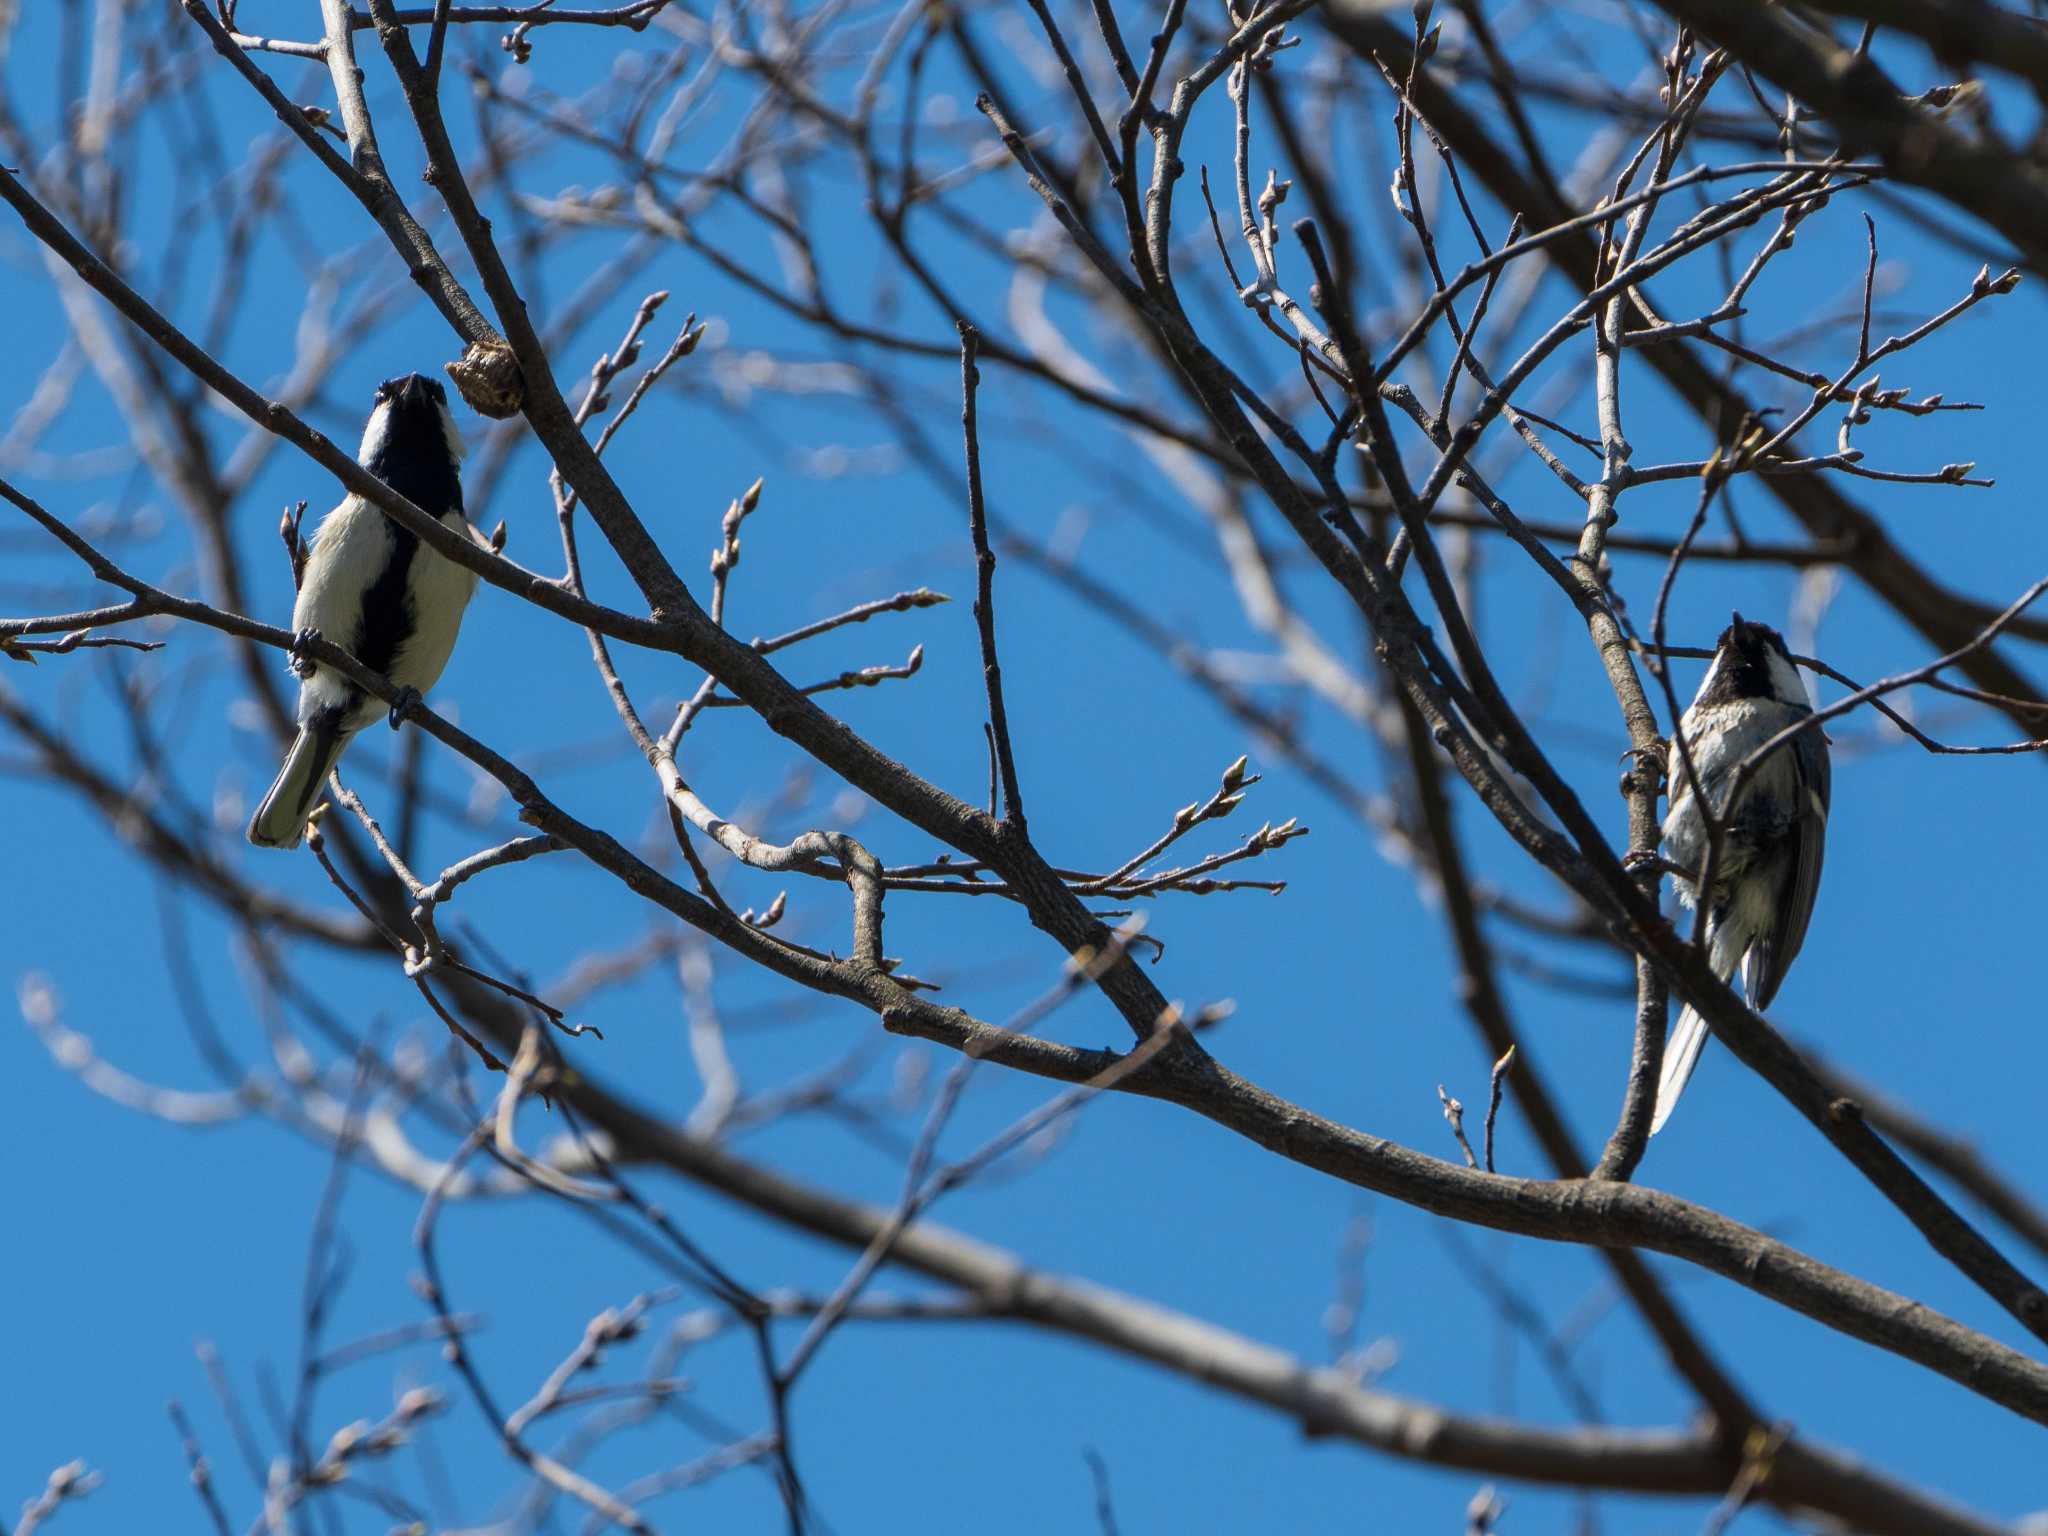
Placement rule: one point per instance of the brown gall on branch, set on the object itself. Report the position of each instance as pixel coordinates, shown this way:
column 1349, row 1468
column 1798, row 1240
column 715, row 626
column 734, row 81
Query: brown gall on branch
column 488, row 376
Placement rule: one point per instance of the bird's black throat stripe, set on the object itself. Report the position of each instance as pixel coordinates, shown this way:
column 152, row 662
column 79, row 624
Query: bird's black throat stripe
column 388, row 616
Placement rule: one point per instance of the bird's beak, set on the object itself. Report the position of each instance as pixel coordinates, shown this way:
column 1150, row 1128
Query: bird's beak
column 1738, row 620
column 414, row 390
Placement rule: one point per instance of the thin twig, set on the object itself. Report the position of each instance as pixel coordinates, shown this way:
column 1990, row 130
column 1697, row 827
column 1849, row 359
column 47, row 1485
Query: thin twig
column 985, row 569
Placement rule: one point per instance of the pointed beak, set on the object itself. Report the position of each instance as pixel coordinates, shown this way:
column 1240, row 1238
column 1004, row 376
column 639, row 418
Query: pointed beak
column 1738, row 620
column 413, row 391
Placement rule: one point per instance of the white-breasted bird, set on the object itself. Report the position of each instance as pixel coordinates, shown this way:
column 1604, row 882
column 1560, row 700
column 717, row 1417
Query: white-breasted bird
column 371, row 587
column 1768, row 868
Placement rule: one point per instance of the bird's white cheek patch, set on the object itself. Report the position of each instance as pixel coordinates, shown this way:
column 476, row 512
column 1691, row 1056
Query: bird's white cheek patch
column 1787, row 686
column 449, row 434
column 1707, row 681
column 375, row 430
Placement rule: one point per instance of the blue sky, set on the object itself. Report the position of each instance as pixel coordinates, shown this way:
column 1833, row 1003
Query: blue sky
column 133, row 1239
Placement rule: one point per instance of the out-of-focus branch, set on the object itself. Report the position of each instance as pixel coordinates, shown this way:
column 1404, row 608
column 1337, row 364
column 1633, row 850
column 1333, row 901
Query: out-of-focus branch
column 1871, row 114
column 1960, row 31
column 68, row 1484
column 1954, row 1157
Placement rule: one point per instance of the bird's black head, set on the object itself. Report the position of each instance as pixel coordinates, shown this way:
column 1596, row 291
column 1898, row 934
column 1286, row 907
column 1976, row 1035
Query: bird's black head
column 1751, row 662
column 411, row 443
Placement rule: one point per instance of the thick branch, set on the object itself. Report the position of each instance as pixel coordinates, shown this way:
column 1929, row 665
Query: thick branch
column 1325, row 1402
column 2007, row 191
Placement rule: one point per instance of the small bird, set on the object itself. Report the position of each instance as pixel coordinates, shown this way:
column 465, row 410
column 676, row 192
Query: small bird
column 370, row 587
column 1768, row 868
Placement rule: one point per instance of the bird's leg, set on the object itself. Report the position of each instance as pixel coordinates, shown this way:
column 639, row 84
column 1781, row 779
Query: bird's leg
column 302, row 642
column 1650, row 760
column 403, row 705
column 1640, row 859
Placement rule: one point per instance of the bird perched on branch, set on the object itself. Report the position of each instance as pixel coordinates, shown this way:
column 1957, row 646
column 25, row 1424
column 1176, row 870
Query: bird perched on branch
column 1766, row 867
column 371, row 587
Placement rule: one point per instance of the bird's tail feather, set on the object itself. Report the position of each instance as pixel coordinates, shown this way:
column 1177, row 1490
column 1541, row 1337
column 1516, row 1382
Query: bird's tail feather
column 280, row 821
column 1681, row 1054
column 1688, row 1037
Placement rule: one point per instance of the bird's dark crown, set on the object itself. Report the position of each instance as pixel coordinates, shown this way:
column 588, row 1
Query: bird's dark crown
column 411, row 388
column 1751, row 639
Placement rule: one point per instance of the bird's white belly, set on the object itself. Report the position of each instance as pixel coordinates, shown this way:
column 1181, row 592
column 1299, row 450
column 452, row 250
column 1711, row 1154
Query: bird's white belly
column 1720, row 738
column 351, row 548
column 441, row 590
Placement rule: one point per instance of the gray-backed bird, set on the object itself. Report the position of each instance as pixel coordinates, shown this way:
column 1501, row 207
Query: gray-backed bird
column 1768, row 867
